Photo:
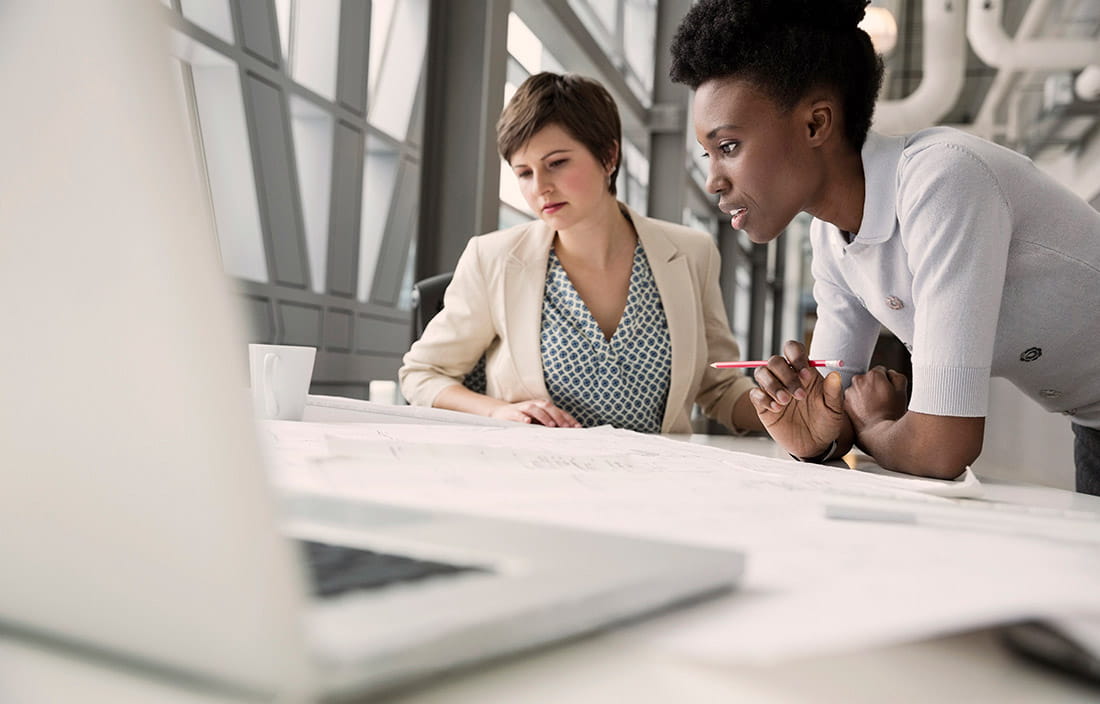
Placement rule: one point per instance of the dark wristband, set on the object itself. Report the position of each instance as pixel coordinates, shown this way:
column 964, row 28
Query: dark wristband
column 823, row 457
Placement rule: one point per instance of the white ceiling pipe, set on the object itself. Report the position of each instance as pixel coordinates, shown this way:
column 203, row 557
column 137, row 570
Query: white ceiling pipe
column 985, row 124
column 1087, row 83
column 987, row 38
column 943, row 66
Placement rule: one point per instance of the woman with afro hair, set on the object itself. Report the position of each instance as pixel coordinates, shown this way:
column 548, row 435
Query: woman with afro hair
column 977, row 261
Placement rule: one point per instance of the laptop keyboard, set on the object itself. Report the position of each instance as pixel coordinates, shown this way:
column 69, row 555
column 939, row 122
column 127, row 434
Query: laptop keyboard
column 337, row 569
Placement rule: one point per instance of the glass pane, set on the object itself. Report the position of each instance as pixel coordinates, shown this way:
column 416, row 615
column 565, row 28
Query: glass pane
column 550, row 62
column 636, row 167
column 211, row 15
column 381, row 16
column 309, row 34
column 638, row 197
column 698, row 166
column 379, row 178
column 515, row 75
column 509, row 90
column 282, row 21
column 698, row 173
column 523, row 44
column 744, row 241
column 509, row 190
column 404, row 298
column 399, row 68
column 510, row 216
column 599, row 17
column 769, row 318
column 313, row 137
column 704, row 223
column 742, row 303
column 639, row 40
column 406, row 219
column 224, row 151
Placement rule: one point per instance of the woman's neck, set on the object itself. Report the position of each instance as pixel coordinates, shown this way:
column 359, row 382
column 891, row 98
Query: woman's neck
column 600, row 238
column 845, row 192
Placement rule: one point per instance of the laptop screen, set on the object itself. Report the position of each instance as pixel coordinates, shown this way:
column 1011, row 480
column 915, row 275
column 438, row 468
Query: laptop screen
column 132, row 479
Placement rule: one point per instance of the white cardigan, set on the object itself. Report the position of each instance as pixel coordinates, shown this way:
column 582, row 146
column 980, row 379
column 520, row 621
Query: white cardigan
column 981, row 264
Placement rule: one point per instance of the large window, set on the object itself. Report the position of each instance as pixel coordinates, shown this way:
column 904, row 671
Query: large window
column 307, row 119
column 399, row 40
column 628, row 29
column 309, row 32
column 339, row 125
column 211, row 92
column 313, row 133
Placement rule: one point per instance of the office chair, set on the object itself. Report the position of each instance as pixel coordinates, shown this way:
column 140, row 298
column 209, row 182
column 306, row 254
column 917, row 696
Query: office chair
column 427, row 299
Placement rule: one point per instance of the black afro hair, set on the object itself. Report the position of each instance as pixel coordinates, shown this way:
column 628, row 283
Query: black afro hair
column 785, row 48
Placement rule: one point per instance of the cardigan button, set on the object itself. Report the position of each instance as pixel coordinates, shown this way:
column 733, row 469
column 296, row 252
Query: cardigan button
column 894, row 302
column 1031, row 354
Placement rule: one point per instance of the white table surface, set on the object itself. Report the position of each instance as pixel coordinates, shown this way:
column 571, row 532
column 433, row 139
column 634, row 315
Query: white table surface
column 617, row 665
column 995, row 489
column 614, row 667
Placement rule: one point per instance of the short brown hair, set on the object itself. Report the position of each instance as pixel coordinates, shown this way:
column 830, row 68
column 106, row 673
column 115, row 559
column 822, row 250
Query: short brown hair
column 579, row 105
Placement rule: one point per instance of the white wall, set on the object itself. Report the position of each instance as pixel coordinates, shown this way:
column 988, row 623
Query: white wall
column 1024, row 442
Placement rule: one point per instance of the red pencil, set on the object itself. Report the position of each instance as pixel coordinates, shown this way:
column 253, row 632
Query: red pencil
column 758, row 363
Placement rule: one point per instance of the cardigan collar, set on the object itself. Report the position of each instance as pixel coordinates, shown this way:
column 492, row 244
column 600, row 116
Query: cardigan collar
column 880, row 155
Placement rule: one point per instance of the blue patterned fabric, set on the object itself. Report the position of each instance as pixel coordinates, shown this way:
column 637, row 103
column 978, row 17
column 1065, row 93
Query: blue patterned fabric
column 622, row 382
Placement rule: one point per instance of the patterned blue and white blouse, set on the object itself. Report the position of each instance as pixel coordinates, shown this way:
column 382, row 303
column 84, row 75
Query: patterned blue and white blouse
column 622, row 382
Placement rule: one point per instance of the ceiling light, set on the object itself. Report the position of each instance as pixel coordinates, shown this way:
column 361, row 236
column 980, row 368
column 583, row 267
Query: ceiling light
column 880, row 24
column 1087, row 84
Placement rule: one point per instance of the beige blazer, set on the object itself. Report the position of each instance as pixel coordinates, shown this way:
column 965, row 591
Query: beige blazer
column 494, row 307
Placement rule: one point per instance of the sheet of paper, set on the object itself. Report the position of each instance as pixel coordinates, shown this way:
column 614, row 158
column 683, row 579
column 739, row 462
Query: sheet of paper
column 337, row 409
column 614, row 449
column 813, row 584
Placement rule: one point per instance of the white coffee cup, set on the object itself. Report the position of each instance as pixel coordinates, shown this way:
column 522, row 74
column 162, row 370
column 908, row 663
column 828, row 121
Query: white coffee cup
column 280, row 379
column 383, row 391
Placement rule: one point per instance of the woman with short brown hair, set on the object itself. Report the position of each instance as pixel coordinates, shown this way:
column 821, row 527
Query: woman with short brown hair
column 592, row 314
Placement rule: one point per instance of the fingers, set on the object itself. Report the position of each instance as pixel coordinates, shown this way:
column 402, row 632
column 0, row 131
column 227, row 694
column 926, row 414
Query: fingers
column 780, row 381
column 880, row 373
column 833, row 391
column 899, row 380
column 512, row 414
column 871, row 376
column 542, row 412
column 559, row 418
column 763, row 403
column 538, row 412
column 795, row 352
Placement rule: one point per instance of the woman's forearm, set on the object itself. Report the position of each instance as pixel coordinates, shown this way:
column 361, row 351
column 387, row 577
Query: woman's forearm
column 924, row 445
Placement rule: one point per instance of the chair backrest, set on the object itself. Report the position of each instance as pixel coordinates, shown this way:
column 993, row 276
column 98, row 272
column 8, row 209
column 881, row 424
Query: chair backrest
column 428, row 300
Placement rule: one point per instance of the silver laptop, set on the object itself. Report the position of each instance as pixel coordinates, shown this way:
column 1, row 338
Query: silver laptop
column 136, row 518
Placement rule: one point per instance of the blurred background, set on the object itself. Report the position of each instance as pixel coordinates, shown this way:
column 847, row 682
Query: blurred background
column 347, row 149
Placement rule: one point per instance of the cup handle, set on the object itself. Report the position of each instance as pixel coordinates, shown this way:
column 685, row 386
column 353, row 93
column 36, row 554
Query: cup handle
column 271, row 367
